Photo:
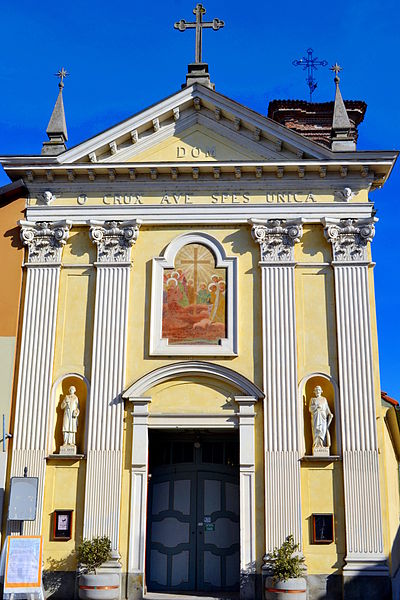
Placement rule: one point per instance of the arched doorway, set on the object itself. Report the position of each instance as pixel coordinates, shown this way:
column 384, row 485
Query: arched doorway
column 231, row 560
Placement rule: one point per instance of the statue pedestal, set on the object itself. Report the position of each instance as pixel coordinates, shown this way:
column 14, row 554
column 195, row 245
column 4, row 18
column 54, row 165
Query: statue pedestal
column 68, row 449
column 321, row 451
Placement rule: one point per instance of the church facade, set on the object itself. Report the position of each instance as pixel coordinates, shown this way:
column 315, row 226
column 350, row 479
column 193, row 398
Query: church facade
column 197, row 363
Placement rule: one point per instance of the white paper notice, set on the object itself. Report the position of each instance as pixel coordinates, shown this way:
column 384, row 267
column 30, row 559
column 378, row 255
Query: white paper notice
column 23, row 563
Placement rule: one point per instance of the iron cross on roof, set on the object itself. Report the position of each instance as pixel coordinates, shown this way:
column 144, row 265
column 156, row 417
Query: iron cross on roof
column 199, row 25
column 310, row 63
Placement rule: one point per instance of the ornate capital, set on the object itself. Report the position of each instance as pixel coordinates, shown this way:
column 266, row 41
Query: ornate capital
column 349, row 238
column 277, row 239
column 114, row 240
column 44, row 240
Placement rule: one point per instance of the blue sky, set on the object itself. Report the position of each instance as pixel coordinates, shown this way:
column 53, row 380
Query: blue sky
column 123, row 56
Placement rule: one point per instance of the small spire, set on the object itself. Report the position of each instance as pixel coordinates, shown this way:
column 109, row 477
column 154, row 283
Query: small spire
column 342, row 135
column 57, row 127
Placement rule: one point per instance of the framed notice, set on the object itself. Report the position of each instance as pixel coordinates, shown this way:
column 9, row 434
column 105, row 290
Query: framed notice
column 62, row 525
column 322, row 525
column 23, row 565
column 23, row 499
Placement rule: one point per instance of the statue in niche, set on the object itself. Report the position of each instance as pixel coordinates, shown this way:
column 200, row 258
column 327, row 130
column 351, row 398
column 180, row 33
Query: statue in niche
column 321, row 418
column 70, row 406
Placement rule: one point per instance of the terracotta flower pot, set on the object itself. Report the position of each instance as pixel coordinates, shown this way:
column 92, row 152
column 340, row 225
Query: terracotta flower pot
column 292, row 589
column 101, row 586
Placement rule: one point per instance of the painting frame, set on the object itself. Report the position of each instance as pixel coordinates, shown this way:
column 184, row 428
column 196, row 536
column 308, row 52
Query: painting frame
column 62, row 533
column 160, row 346
column 317, row 537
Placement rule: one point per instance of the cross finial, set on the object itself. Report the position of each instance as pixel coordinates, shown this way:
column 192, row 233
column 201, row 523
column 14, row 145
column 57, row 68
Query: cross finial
column 310, row 63
column 61, row 74
column 199, row 25
column 336, row 69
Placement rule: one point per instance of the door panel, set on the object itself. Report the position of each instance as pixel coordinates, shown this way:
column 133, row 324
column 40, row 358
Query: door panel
column 193, row 516
column 218, row 540
column 171, row 538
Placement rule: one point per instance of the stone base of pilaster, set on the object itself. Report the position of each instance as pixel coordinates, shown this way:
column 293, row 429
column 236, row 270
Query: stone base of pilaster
column 373, row 587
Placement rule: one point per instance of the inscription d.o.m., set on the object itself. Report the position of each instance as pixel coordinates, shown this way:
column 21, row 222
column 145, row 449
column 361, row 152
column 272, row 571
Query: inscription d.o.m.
column 196, row 152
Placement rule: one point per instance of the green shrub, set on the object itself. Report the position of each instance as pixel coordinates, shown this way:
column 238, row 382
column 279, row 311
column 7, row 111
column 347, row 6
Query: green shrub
column 285, row 564
column 93, row 553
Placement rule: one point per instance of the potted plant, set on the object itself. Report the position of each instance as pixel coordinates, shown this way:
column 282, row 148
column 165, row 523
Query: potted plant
column 287, row 573
column 92, row 584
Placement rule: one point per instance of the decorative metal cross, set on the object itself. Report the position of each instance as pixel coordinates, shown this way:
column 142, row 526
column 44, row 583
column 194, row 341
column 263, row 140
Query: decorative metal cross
column 311, row 64
column 61, row 74
column 336, row 69
column 199, row 25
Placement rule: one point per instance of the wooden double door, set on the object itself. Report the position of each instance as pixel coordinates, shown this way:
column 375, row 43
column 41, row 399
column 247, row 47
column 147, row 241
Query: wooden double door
column 193, row 514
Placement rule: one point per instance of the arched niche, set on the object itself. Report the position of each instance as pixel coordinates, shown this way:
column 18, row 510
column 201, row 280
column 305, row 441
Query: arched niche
column 60, row 390
column 331, row 393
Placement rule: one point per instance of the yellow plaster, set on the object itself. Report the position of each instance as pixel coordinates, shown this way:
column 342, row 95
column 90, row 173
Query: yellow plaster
column 196, row 144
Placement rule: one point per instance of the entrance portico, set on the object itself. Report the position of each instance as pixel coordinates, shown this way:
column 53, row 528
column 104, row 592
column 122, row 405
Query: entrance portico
column 240, row 415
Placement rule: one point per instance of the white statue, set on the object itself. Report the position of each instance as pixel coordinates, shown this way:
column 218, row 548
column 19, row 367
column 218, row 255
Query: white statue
column 70, row 405
column 321, row 417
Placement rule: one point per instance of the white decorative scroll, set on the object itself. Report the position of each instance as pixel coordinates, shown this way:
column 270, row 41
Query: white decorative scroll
column 350, row 238
column 277, row 239
column 114, row 239
column 44, row 240
column 281, row 438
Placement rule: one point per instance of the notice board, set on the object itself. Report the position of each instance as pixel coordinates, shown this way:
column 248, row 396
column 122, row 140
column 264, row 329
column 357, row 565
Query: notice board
column 23, row 564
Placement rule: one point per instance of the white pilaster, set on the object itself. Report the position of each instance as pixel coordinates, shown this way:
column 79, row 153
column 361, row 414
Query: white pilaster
column 140, row 447
column 247, row 417
column 45, row 242
column 105, row 410
column 364, row 540
column 281, row 440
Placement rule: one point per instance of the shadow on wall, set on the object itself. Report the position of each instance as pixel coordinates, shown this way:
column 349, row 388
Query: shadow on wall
column 396, row 566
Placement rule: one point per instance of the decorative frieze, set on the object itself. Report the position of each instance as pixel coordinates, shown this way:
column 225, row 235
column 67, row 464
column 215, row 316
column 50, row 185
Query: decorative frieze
column 350, row 238
column 114, row 240
column 44, row 240
column 277, row 239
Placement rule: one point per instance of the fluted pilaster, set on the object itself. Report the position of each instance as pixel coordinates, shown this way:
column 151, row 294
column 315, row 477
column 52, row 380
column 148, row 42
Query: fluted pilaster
column 105, row 417
column 282, row 468
column 364, row 540
column 44, row 242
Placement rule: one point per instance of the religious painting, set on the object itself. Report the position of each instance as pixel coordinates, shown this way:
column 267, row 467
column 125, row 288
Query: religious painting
column 322, row 526
column 194, row 298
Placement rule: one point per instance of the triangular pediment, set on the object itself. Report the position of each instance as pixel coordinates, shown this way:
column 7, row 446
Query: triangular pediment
column 196, row 124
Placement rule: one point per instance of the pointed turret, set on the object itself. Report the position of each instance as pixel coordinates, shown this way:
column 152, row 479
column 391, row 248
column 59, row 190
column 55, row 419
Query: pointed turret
column 57, row 127
column 342, row 138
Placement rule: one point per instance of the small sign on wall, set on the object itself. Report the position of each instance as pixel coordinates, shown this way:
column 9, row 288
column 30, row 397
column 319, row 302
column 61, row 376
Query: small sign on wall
column 62, row 525
column 322, row 528
column 23, row 499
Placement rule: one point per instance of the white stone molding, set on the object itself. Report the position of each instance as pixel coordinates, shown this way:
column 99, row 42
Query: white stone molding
column 195, row 368
column 140, row 448
column 277, row 239
column 281, row 436
column 336, row 422
column 105, row 407
column 247, row 417
column 142, row 420
column 36, row 357
column 114, row 240
column 44, row 240
column 350, row 238
column 364, row 537
column 159, row 345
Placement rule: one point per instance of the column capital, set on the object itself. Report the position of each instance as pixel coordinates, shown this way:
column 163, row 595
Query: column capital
column 350, row 238
column 44, row 240
column 277, row 239
column 114, row 239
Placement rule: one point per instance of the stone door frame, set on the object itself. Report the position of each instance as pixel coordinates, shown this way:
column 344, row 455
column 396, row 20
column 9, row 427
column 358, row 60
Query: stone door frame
column 143, row 419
